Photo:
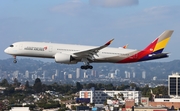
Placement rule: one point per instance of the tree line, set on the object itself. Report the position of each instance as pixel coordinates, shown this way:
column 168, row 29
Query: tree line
column 38, row 87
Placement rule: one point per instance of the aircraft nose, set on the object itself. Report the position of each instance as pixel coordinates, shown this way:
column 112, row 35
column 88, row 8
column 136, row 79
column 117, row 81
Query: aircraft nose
column 6, row 50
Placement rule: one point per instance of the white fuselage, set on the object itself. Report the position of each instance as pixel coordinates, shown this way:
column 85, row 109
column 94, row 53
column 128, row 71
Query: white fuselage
column 48, row 50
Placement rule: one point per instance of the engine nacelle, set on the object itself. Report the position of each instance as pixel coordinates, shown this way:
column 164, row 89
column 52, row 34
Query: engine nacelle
column 64, row 58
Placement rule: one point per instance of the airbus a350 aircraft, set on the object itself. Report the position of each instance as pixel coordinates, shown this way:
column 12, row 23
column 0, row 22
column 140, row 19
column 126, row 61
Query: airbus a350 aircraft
column 71, row 54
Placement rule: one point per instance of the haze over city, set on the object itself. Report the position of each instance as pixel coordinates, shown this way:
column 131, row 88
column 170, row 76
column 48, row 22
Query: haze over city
column 90, row 22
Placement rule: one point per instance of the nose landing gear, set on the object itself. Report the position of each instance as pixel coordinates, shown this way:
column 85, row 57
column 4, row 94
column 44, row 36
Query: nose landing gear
column 15, row 61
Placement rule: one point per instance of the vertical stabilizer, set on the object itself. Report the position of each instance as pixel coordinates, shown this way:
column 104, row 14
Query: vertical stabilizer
column 158, row 45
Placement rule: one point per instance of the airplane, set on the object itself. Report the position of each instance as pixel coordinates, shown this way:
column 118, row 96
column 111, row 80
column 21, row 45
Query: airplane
column 72, row 54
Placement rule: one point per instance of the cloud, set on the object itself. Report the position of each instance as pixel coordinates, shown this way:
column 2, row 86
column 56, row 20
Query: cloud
column 161, row 10
column 76, row 7
column 113, row 3
column 160, row 16
column 71, row 7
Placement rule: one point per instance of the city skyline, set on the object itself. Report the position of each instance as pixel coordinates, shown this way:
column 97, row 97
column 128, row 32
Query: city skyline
column 146, row 73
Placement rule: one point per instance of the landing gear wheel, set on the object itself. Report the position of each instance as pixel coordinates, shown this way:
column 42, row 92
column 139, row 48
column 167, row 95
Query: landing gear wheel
column 90, row 67
column 82, row 67
column 15, row 61
column 87, row 67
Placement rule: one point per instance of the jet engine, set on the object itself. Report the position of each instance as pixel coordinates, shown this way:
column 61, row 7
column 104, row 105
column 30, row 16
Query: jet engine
column 64, row 58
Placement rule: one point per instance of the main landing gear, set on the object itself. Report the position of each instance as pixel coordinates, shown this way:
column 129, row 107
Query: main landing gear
column 86, row 64
column 15, row 61
column 86, row 67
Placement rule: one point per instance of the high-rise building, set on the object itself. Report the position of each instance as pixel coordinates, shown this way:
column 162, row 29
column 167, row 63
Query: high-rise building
column 85, row 74
column 44, row 75
column 117, row 72
column 93, row 73
column 78, row 73
column 127, row 74
column 70, row 76
column 61, row 75
column 65, row 75
column 15, row 74
column 134, row 74
column 34, row 76
column 27, row 74
column 56, row 73
column 53, row 77
column 174, row 85
column 154, row 78
column 111, row 75
column 144, row 74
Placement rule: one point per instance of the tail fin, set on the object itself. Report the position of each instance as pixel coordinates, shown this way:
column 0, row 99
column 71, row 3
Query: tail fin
column 153, row 50
column 158, row 45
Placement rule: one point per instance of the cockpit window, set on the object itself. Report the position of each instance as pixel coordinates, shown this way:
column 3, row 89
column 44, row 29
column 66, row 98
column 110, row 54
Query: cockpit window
column 11, row 45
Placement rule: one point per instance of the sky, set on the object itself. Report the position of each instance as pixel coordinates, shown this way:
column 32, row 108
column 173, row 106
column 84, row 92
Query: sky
column 90, row 22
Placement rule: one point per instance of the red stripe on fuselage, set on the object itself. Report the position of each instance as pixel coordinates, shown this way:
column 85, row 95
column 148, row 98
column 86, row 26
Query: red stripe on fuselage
column 136, row 57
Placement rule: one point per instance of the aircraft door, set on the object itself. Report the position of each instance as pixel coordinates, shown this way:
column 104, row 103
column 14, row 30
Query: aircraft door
column 50, row 49
column 135, row 56
column 20, row 46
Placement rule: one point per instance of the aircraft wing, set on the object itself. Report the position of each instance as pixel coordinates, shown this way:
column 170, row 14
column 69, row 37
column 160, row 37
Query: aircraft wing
column 91, row 52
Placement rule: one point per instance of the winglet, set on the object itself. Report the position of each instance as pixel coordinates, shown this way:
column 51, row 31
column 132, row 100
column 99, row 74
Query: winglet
column 109, row 42
column 125, row 46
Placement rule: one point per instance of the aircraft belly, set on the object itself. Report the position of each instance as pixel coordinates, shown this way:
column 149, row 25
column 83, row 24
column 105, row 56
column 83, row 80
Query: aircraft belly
column 111, row 59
